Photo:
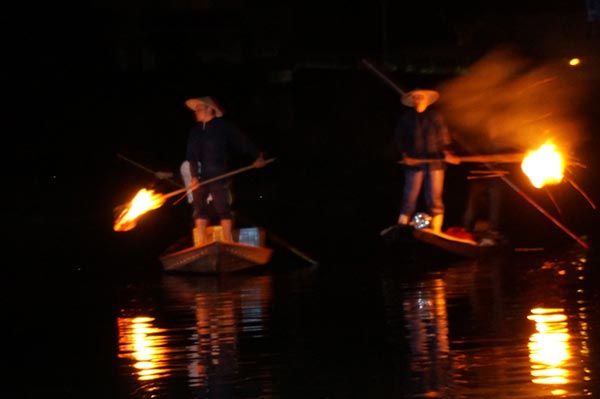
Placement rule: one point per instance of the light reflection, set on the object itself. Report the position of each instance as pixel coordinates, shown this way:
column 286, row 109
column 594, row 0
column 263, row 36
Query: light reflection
column 140, row 341
column 221, row 318
column 426, row 319
column 549, row 346
column 204, row 353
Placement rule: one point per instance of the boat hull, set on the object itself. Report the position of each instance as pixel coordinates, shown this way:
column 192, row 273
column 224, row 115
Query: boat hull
column 218, row 256
column 422, row 241
column 461, row 247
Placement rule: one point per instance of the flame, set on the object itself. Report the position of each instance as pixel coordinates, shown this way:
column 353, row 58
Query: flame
column 144, row 201
column 544, row 166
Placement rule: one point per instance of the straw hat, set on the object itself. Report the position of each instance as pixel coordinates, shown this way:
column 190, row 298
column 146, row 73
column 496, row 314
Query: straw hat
column 194, row 103
column 431, row 96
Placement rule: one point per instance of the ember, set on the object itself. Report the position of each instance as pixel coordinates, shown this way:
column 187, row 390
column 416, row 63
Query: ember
column 144, row 201
column 544, row 166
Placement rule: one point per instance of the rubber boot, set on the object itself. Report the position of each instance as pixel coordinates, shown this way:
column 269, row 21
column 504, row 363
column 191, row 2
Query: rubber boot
column 200, row 232
column 226, row 225
column 436, row 223
column 403, row 219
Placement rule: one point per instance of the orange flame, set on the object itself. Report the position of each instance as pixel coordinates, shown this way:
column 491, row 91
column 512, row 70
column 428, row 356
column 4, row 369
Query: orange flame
column 544, row 166
column 144, row 201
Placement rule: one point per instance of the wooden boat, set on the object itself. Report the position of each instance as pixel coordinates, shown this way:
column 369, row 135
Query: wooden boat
column 217, row 256
column 467, row 248
column 405, row 236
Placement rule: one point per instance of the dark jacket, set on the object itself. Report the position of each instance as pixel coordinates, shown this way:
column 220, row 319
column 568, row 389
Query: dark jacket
column 421, row 135
column 211, row 145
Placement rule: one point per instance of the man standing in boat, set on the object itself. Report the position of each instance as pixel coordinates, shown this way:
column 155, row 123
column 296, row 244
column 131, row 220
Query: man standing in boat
column 421, row 137
column 211, row 142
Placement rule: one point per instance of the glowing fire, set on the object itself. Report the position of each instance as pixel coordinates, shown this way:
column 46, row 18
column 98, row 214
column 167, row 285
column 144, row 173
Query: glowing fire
column 544, row 166
column 144, row 201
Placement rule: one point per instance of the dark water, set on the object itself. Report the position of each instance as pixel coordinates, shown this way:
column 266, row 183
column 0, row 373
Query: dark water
column 525, row 325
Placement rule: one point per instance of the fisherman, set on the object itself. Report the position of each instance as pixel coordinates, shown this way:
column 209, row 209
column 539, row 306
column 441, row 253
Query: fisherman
column 211, row 142
column 421, row 137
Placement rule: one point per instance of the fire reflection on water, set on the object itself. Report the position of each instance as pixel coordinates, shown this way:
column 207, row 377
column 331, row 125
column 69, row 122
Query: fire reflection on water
column 196, row 355
column 558, row 346
column 482, row 348
column 141, row 342
column 549, row 346
column 551, row 350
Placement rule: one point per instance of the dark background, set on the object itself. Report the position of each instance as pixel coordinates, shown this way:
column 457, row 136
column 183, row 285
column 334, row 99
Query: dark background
column 85, row 82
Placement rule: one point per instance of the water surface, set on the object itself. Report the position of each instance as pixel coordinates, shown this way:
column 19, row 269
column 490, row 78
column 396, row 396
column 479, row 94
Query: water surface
column 522, row 326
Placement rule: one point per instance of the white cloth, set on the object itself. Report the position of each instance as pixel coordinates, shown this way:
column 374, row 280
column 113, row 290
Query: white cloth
column 186, row 175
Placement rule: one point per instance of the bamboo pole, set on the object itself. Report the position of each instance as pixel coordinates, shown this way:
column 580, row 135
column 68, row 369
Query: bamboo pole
column 214, row 179
column 545, row 213
column 382, row 76
column 123, row 157
column 486, row 176
column 580, row 191
column 494, row 158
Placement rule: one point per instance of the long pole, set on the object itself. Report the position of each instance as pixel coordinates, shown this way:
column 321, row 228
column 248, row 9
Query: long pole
column 214, row 179
column 545, row 213
column 382, row 76
column 142, row 167
column 496, row 158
